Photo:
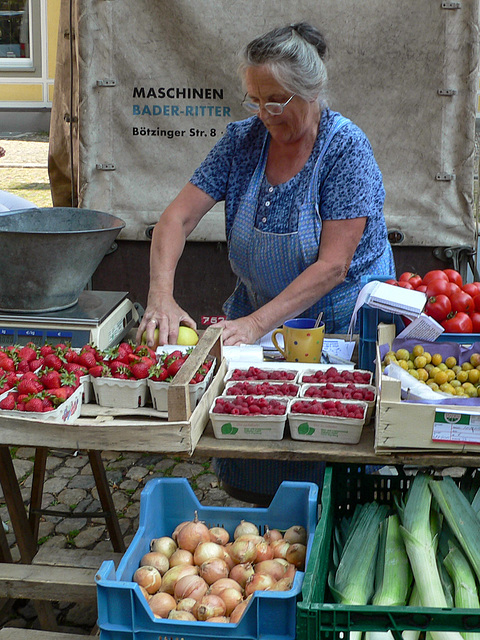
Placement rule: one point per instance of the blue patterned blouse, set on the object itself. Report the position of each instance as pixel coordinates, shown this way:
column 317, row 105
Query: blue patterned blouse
column 350, row 183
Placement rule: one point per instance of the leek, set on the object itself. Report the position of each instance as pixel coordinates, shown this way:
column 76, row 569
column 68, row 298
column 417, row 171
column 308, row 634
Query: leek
column 414, row 601
column 461, row 518
column 465, row 588
column 353, row 582
column 393, row 574
column 421, row 545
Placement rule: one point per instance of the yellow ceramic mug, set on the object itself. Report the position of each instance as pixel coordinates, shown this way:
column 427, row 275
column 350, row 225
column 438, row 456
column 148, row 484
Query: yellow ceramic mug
column 302, row 343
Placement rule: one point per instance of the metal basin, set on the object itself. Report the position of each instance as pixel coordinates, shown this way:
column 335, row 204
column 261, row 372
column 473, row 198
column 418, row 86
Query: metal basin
column 47, row 256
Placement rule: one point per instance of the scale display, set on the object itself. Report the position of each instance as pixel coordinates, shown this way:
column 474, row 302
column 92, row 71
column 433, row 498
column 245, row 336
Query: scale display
column 99, row 317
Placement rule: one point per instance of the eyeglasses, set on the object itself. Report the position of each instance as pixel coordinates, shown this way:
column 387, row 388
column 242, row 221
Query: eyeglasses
column 273, row 108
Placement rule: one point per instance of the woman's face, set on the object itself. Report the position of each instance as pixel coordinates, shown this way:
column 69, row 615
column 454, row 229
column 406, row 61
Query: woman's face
column 298, row 117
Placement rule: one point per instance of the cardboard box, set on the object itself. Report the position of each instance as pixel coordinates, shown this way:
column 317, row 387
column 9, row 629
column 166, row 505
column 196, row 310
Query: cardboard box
column 413, row 426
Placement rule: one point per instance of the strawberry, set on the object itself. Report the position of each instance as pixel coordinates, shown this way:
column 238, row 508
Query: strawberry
column 114, row 365
column 27, row 353
column 48, row 404
column 20, row 406
column 100, row 371
column 123, row 372
column 36, row 363
column 35, row 403
column 23, row 366
column 61, row 394
column 53, row 361
column 51, row 379
column 29, row 386
column 144, row 350
column 7, row 363
column 157, row 373
column 70, row 380
column 87, row 359
column 75, row 367
column 139, row 370
column 8, row 403
column 46, row 349
column 70, row 355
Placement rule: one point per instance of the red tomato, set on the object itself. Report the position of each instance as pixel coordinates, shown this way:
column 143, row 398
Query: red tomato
column 392, row 282
column 459, row 322
column 453, row 276
column 406, row 275
column 434, row 275
column 421, row 287
column 437, row 287
column 476, row 302
column 471, row 288
column 416, row 281
column 404, row 284
column 475, row 318
column 461, row 301
column 452, row 288
column 438, row 307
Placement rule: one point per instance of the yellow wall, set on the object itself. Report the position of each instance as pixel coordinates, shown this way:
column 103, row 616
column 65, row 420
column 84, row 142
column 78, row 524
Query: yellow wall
column 35, row 90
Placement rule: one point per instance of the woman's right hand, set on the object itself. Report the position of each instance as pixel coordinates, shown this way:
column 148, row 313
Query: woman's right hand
column 166, row 316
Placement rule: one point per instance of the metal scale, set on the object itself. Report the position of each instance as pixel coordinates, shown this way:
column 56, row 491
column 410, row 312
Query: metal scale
column 103, row 318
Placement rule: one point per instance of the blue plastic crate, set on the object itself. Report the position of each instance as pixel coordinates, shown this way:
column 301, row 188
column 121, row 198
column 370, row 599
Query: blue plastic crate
column 123, row 613
column 367, row 333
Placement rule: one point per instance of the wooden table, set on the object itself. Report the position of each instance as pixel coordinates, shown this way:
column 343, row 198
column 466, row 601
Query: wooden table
column 147, row 432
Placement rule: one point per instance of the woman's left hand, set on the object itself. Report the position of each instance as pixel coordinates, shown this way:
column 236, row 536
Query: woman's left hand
column 240, row 331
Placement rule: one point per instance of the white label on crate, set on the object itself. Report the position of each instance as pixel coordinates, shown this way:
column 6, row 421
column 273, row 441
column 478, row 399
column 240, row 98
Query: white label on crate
column 458, row 426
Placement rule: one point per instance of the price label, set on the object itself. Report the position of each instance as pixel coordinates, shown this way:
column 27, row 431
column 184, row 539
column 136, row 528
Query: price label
column 456, row 426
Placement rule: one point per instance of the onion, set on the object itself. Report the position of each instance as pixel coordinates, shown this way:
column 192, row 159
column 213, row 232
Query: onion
column 165, row 545
column 280, row 548
column 175, row 573
column 241, row 573
column 186, row 604
column 181, row 615
column 251, row 536
column 243, row 551
column 264, row 551
column 296, row 554
column 207, row 550
column 271, row 535
column 294, row 534
column 181, row 556
column 157, row 560
column 219, row 535
column 161, row 604
column 213, row 569
column 231, row 597
column 245, row 528
column 149, row 578
column 190, row 587
column 228, row 559
column 218, row 619
column 224, row 583
column 239, row 610
column 192, row 534
column 271, row 568
column 177, row 529
column 259, row 582
column 210, row 606
column 145, row 592
column 284, row 584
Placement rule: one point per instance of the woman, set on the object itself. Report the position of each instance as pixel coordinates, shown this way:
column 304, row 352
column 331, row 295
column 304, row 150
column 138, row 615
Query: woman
column 303, row 205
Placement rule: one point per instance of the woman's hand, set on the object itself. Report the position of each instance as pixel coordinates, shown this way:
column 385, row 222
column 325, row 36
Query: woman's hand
column 164, row 316
column 241, row 331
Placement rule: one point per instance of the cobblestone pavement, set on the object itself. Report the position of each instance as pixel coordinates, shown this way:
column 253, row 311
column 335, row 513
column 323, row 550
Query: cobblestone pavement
column 69, row 486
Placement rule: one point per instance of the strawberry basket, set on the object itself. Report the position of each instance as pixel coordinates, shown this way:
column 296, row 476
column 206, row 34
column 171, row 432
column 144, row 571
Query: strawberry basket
column 227, row 422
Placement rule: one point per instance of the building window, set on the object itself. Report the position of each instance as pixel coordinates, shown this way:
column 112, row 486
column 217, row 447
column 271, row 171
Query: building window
column 15, row 33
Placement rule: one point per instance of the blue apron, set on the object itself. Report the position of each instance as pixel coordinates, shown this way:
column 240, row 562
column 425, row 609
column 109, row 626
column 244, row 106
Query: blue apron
column 287, row 255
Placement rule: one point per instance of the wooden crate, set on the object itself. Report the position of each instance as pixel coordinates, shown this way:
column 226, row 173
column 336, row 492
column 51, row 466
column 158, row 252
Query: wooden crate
column 102, row 428
column 408, row 426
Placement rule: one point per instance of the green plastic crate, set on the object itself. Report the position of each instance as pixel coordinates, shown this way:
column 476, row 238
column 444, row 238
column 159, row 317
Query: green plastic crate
column 318, row 616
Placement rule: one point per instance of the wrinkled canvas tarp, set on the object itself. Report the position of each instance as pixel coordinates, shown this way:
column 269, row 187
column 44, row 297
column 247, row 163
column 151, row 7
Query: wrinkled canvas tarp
column 157, row 85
